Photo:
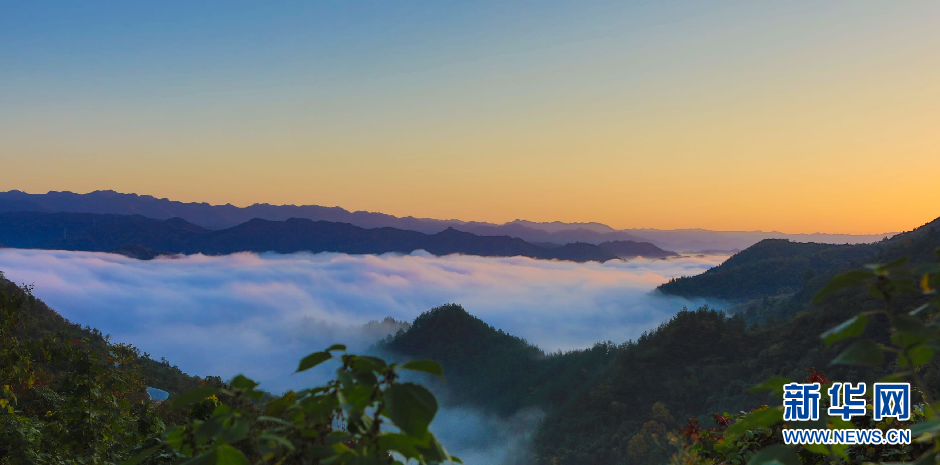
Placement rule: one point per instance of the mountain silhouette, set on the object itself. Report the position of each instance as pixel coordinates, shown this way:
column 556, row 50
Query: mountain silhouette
column 632, row 249
column 142, row 237
column 217, row 217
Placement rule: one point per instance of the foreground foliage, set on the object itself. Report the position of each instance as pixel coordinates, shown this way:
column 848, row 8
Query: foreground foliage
column 64, row 401
column 364, row 416
column 83, row 401
column 914, row 339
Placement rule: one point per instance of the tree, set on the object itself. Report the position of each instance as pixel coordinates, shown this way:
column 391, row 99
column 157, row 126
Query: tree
column 914, row 335
column 338, row 423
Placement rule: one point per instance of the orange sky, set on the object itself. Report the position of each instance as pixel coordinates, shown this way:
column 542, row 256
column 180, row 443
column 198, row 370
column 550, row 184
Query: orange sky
column 796, row 117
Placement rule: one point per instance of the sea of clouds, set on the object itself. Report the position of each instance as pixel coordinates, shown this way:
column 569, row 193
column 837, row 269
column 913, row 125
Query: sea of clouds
column 258, row 314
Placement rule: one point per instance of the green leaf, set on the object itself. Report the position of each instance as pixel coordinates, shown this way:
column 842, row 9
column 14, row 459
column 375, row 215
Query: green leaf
column 850, row 328
column 840, row 450
column 344, row 376
column 173, row 437
column 895, row 263
column 211, row 428
column 910, row 324
column 775, row 384
column 895, row 377
column 236, row 431
column 313, row 360
column 279, row 405
column 907, row 340
column 316, row 451
column 365, row 362
column 427, row 366
column 817, row 448
column 927, row 268
column 141, row 456
column 333, row 347
column 918, row 356
column 401, row 443
column 241, row 382
column 819, row 423
column 194, row 395
column 275, row 420
column 864, row 352
column 925, row 427
column 838, row 423
column 410, row 407
column 903, row 286
column 842, row 281
column 776, row 455
column 274, row 438
column 227, row 455
column 434, row 451
column 336, row 437
column 359, row 396
column 756, row 419
column 365, row 377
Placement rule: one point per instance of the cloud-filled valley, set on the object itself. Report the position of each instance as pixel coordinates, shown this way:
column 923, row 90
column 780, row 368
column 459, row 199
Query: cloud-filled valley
column 258, row 314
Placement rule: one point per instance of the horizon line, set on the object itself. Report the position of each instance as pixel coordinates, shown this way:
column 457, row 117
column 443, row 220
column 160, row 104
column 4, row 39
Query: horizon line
column 517, row 220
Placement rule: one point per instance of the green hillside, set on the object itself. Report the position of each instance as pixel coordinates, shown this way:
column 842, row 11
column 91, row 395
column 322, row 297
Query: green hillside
column 700, row 362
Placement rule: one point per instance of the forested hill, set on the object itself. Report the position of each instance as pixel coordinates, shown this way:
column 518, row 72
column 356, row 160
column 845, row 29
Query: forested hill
column 770, row 267
column 40, row 321
column 143, row 237
column 777, row 267
column 493, row 370
column 598, row 400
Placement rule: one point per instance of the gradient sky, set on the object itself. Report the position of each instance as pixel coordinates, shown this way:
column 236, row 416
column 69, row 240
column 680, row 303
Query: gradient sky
column 792, row 116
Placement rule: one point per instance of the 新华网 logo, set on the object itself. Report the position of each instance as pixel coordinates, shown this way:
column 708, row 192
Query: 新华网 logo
column 889, row 400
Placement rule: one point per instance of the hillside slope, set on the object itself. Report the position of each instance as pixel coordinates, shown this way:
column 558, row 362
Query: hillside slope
column 40, row 321
column 775, row 267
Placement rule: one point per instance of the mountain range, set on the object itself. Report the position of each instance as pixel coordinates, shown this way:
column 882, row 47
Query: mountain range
column 217, row 217
column 141, row 237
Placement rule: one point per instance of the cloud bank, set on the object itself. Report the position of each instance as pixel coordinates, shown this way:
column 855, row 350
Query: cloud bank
column 258, row 314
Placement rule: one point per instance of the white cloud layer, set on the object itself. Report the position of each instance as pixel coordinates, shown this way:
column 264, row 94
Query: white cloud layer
column 258, row 314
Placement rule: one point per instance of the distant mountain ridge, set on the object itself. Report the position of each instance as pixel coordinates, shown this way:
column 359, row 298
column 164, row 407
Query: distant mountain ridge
column 142, row 237
column 776, row 267
column 632, row 249
column 226, row 216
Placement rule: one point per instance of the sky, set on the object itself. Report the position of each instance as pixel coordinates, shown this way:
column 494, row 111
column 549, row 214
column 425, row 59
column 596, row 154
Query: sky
column 792, row 116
